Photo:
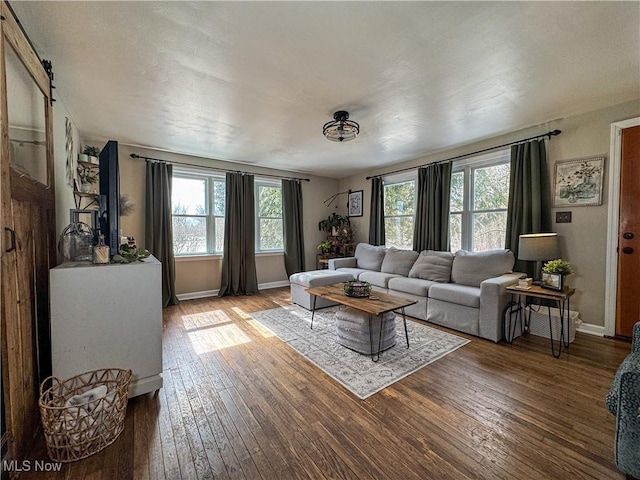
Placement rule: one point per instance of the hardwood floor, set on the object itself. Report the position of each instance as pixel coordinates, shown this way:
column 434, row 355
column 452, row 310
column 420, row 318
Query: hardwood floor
column 239, row 404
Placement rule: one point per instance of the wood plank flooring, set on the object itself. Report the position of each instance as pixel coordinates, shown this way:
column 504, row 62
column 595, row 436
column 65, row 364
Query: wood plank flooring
column 239, row 404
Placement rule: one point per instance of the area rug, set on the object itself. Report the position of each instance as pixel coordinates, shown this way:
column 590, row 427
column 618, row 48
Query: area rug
column 354, row 371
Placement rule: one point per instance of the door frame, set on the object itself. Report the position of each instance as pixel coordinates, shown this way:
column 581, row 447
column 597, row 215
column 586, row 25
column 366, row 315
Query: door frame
column 613, row 223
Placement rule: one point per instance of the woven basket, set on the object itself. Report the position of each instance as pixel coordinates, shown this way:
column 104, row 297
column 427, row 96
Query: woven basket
column 79, row 431
column 357, row 289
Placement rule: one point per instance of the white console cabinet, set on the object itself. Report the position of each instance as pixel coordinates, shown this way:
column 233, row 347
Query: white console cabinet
column 108, row 316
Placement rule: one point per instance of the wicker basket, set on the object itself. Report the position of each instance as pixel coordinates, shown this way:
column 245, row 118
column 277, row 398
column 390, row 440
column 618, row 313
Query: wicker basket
column 357, row 289
column 78, row 431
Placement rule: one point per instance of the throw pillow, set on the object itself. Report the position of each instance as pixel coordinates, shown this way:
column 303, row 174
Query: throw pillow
column 473, row 268
column 369, row 257
column 432, row 265
column 398, row 261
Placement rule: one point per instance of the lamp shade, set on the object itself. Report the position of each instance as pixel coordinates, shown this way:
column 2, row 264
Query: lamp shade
column 538, row 247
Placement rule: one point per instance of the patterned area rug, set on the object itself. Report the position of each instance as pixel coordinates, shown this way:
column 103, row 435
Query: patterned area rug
column 355, row 371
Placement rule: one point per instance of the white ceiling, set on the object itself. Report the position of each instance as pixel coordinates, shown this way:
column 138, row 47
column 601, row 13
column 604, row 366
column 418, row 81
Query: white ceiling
column 254, row 82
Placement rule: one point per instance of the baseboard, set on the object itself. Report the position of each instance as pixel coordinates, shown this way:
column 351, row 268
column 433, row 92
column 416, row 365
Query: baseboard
column 597, row 330
column 278, row 284
column 195, row 295
column 214, row 293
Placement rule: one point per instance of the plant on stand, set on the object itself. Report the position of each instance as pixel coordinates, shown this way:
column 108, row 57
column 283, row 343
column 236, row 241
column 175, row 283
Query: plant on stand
column 339, row 234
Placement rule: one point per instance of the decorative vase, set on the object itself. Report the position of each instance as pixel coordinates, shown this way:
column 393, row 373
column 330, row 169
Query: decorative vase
column 86, row 187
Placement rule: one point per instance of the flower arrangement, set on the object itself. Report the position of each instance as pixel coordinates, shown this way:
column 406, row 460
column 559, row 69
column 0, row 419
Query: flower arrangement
column 557, row 267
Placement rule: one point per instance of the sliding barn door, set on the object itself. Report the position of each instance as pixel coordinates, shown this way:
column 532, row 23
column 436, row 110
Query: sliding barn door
column 28, row 242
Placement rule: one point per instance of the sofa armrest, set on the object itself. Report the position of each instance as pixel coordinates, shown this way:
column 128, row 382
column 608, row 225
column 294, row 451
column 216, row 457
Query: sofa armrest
column 635, row 345
column 627, row 455
column 345, row 262
column 493, row 300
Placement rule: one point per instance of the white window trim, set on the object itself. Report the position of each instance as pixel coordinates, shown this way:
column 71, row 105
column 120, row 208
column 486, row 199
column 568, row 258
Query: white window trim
column 209, row 177
column 403, row 177
column 468, row 165
column 261, row 181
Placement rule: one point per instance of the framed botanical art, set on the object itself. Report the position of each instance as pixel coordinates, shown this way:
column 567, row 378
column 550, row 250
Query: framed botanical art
column 578, row 182
column 355, row 203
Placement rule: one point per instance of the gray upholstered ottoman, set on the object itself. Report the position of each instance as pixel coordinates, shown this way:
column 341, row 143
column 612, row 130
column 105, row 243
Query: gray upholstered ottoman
column 352, row 330
column 315, row 278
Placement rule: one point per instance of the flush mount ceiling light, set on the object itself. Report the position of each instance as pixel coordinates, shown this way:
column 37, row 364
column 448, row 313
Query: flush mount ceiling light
column 341, row 129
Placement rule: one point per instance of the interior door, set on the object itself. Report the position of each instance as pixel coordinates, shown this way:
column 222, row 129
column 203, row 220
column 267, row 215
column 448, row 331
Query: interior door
column 628, row 300
column 27, row 248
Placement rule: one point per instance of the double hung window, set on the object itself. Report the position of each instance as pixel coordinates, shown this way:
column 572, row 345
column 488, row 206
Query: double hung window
column 198, row 213
column 197, row 206
column 269, row 226
column 479, row 197
column 399, row 212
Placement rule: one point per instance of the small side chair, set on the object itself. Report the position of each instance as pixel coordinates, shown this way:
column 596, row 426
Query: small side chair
column 623, row 400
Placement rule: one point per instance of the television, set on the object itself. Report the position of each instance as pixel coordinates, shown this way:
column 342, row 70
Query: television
column 109, row 210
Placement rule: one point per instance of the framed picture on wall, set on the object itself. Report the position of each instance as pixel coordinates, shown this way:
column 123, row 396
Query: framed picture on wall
column 355, row 203
column 578, row 182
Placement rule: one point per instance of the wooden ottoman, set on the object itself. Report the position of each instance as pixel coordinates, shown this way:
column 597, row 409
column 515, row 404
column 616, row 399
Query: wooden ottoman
column 354, row 331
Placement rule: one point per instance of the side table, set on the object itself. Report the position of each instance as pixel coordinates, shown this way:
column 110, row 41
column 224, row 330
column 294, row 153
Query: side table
column 517, row 306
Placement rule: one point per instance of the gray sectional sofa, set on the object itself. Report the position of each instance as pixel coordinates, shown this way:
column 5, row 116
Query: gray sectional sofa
column 465, row 291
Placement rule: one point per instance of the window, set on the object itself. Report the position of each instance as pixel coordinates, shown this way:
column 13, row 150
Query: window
column 399, row 212
column 269, row 226
column 197, row 207
column 479, row 196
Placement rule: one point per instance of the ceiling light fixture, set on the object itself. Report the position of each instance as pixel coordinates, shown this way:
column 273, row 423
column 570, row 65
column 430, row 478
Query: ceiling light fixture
column 341, row 129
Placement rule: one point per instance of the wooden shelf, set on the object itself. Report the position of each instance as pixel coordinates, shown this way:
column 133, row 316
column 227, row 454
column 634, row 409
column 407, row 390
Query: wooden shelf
column 79, row 196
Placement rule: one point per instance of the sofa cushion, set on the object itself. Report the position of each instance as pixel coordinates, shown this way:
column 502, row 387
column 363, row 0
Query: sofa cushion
column 415, row 286
column 369, row 257
column 317, row 278
column 355, row 272
column 398, row 261
column 432, row 265
column 458, row 294
column 472, row 268
column 379, row 279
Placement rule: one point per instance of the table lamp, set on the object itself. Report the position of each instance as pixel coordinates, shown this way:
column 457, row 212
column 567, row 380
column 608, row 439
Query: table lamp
column 538, row 247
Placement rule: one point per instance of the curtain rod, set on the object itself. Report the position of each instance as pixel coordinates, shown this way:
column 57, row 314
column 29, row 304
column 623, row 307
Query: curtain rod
column 548, row 134
column 173, row 162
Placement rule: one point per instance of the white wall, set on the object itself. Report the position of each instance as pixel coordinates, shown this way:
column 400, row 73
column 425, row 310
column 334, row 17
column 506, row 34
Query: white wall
column 583, row 241
column 64, row 191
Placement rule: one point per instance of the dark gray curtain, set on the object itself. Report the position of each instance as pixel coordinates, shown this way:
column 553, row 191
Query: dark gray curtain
column 431, row 231
column 529, row 209
column 292, row 219
column 239, row 257
column 158, row 235
column 376, row 219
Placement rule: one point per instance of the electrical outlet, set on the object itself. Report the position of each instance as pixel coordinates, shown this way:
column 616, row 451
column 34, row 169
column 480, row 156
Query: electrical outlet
column 563, row 217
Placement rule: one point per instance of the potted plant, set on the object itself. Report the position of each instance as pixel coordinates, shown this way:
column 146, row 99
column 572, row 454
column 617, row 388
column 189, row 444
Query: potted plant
column 88, row 177
column 553, row 273
column 89, row 154
column 325, row 246
column 334, row 223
